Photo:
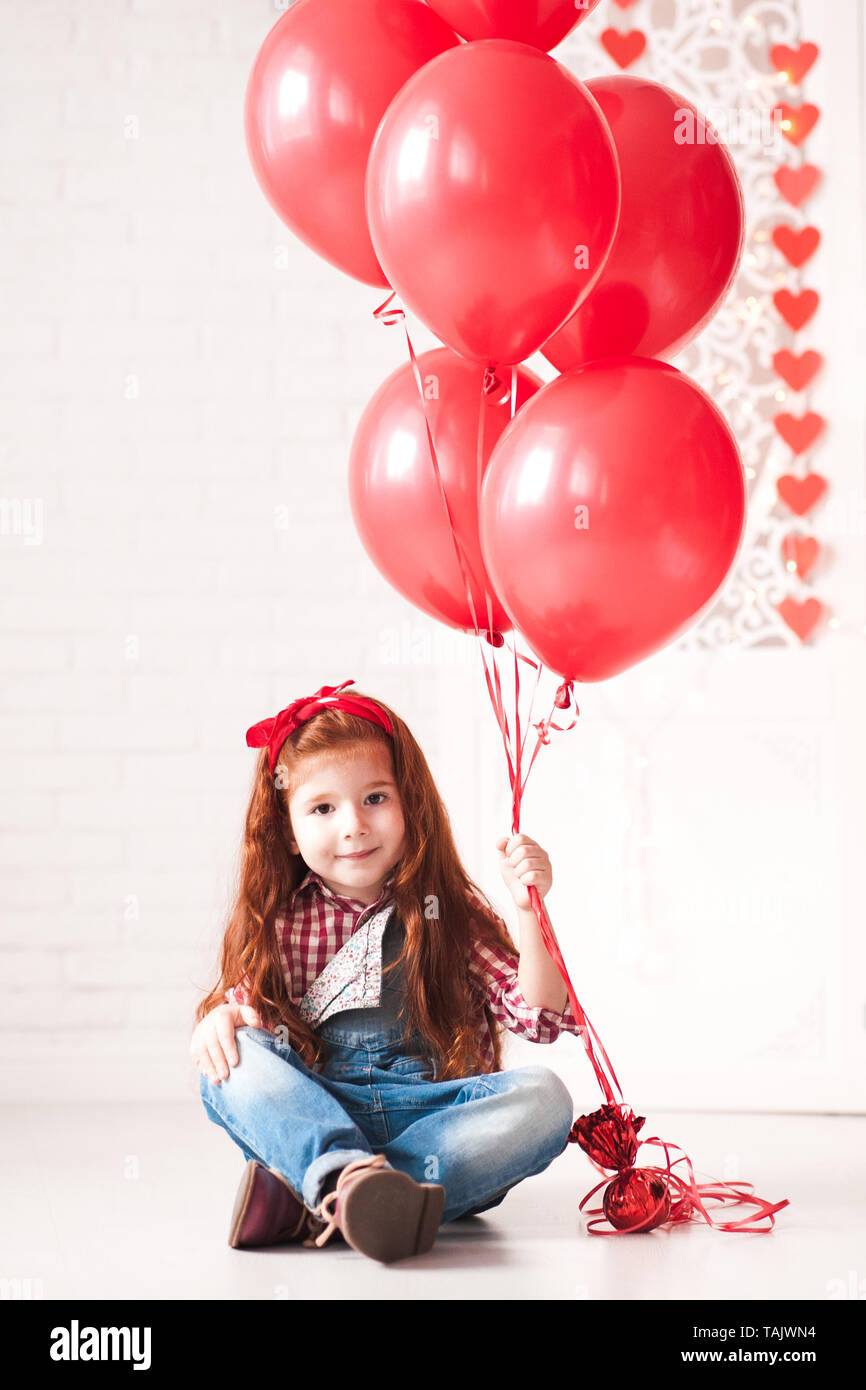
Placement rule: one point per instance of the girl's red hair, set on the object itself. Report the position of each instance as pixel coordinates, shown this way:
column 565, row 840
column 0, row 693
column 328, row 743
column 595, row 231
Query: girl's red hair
column 439, row 1002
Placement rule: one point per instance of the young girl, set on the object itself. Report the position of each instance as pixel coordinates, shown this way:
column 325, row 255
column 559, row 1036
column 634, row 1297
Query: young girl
column 350, row 1047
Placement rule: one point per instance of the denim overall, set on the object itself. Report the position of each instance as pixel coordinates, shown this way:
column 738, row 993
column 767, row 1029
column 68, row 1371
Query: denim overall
column 476, row 1135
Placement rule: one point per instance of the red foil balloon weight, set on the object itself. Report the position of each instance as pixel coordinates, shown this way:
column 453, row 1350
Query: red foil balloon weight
column 637, row 1201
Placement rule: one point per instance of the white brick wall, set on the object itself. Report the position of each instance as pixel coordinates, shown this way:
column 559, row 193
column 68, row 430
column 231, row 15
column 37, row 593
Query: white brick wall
column 179, row 375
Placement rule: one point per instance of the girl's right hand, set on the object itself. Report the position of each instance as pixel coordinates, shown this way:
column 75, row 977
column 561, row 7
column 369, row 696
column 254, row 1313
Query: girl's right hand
column 213, row 1045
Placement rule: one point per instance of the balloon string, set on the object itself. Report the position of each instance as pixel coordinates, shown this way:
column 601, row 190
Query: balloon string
column 487, row 385
column 690, row 1201
column 391, row 314
column 389, row 317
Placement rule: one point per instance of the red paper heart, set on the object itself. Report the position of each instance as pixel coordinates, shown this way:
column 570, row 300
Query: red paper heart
column 796, row 246
column 799, row 432
column 798, row 121
column 801, row 618
column 625, row 4
column 801, row 494
column 624, row 48
column 803, row 551
column 797, row 371
column 794, row 62
column 796, row 309
column 797, row 184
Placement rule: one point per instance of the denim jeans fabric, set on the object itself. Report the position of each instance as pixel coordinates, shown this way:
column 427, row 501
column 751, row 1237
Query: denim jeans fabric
column 478, row 1135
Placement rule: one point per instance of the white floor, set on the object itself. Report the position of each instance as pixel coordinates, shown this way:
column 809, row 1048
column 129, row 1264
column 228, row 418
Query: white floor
column 133, row 1201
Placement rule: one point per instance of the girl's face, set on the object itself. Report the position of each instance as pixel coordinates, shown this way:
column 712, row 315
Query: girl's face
column 345, row 808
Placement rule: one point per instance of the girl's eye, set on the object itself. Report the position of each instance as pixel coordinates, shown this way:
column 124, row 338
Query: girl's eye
column 326, row 804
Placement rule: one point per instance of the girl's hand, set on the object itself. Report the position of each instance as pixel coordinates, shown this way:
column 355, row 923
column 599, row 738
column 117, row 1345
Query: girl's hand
column 523, row 862
column 213, row 1045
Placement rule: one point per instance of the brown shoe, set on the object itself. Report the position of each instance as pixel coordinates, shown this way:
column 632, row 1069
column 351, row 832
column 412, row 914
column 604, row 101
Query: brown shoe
column 382, row 1213
column 268, row 1212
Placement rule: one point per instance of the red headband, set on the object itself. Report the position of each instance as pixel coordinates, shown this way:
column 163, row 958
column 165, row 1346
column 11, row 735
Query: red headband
column 272, row 733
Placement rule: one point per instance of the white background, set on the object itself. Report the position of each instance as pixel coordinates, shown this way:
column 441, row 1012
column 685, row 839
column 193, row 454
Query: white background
column 180, row 381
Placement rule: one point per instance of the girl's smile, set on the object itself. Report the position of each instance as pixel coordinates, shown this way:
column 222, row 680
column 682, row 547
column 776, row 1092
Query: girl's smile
column 342, row 806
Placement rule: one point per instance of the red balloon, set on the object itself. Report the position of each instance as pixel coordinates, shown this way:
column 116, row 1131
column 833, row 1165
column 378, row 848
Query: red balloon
column 543, row 23
column 492, row 197
column 317, row 91
column 612, row 511
column 395, row 498
column 680, row 236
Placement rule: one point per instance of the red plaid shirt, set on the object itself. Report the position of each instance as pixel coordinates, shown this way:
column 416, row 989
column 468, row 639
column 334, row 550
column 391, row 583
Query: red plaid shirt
column 317, row 923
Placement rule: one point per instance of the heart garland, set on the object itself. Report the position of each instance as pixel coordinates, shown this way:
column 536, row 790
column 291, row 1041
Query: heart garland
column 797, row 307
column 797, row 183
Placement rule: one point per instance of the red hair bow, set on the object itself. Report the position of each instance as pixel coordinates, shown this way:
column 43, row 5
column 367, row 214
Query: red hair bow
column 272, row 733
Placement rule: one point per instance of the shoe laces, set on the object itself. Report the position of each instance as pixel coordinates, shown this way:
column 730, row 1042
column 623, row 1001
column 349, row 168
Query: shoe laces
column 327, row 1209
column 312, row 1225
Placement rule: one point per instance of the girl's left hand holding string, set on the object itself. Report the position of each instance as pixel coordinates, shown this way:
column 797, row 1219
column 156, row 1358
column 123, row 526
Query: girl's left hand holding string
column 523, row 862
